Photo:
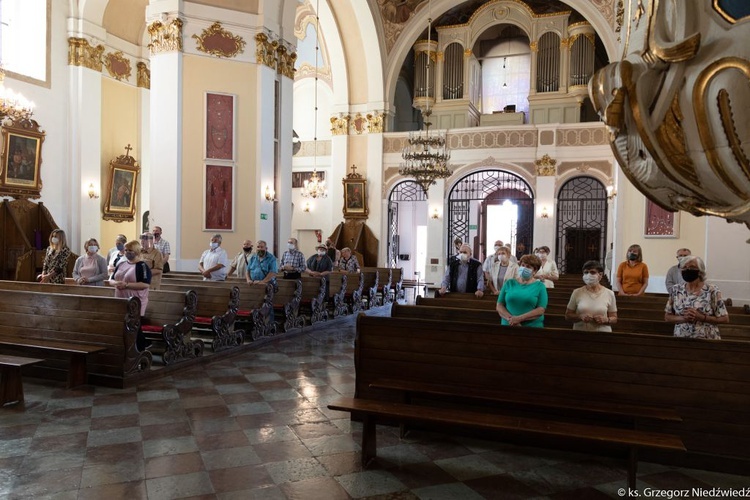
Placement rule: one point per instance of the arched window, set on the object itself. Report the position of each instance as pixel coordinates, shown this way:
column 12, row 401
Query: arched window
column 548, row 63
column 25, row 38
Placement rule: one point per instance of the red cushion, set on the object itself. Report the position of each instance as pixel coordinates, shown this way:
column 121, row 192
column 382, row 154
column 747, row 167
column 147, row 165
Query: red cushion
column 152, row 328
column 203, row 320
column 244, row 312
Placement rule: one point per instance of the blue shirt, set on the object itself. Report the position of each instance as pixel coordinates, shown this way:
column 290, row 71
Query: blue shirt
column 519, row 299
column 259, row 268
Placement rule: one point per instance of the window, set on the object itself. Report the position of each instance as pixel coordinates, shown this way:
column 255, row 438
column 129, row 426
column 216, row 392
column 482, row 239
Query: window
column 25, row 38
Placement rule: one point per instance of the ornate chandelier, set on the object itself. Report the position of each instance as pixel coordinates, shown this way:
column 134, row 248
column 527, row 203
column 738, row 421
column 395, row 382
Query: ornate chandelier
column 15, row 106
column 315, row 187
column 426, row 156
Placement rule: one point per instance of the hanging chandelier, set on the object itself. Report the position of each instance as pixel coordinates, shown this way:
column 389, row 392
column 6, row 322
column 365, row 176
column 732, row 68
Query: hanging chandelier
column 14, row 106
column 315, row 187
column 426, row 155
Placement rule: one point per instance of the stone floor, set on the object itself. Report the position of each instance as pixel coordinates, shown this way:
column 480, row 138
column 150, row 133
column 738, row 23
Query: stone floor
column 257, row 426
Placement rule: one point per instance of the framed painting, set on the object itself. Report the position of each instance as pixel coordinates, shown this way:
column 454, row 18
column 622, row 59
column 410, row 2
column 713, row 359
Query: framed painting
column 21, row 161
column 121, row 190
column 355, row 198
column 220, row 113
column 660, row 223
column 218, row 206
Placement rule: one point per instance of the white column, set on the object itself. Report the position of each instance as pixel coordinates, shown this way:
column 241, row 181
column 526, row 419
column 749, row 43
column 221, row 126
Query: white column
column 436, row 233
column 145, row 140
column 544, row 228
column 165, row 200
column 339, row 169
column 85, row 107
column 264, row 160
column 284, row 179
column 375, row 191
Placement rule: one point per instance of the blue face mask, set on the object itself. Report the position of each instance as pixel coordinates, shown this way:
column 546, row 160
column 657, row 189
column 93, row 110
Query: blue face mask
column 525, row 272
column 120, row 246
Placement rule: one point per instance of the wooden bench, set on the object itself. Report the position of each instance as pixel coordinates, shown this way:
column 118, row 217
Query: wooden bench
column 315, row 298
column 337, row 285
column 287, row 302
column 706, row 382
column 11, row 383
column 76, row 333
column 169, row 316
column 354, row 289
column 370, row 286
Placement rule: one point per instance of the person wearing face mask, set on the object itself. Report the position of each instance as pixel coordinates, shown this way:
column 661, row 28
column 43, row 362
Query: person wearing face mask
column 90, row 268
column 522, row 301
column 498, row 268
column 163, row 246
column 548, row 273
column 674, row 276
column 214, row 262
column 632, row 275
column 153, row 259
column 464, row 275
column 262, row 266
column 592, row 307
column 116, row 253
column 695, row 307
column 242, row 259
column 320, row 264
column 132, row 276
column 55, row 259
column 292, row 261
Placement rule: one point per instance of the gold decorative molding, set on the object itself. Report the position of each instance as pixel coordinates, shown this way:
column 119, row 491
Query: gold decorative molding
column 467, row 52
column 440, row 56
column 545, row 166
column 566, row 42
column 340, row 125
column 358, row 124
column 265, row 50
column 619, row 19
column 375, row 122
column 165, row 37
column 285, row 61
column 143, row 76
column 217, row 41
column 81, row 53
column 118, row 65
column 534, row 46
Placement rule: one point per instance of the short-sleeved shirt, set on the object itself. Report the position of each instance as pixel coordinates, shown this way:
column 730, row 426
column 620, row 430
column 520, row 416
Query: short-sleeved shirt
column 708, row 301
column 133, row 272
column 632, row 278
column 294, row 258
column 600, row 303
column 211, row 258
column 519, row 298
column 258, row 268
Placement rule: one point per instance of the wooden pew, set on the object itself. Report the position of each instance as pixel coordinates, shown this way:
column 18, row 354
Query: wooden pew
column 169, row 315
column 397, row 283
column 315, row 298
column 370, row 286
column 92, row 338
column 707, row 382
column 337, row 285
column 354, row 288
column 287, row 301
column 11, row 383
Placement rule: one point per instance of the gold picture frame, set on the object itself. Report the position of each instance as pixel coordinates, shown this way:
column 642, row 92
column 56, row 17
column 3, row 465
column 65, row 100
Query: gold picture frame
column 355, row 196
column 121, row 190
column 20, row 176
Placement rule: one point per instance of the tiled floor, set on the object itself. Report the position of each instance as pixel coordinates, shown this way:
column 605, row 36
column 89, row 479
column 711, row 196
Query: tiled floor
column 257, row 426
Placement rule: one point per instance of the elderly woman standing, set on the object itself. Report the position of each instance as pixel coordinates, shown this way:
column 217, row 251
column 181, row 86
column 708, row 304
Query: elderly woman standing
column 56, row 259
column 522, row 301
column 132, row 276
column 548, row 272
column 695, row 306
column 592, row 307
column 90, row 268
column 498, row 269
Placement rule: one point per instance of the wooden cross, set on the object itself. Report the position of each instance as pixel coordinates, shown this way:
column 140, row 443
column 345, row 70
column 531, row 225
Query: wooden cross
column 354, row 169
column 127, row 150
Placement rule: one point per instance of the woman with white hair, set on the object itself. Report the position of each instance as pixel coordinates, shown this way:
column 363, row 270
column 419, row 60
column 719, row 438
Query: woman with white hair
column 695, row 306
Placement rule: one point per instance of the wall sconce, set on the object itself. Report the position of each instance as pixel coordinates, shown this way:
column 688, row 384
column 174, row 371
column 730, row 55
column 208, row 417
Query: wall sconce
column 306, row 208
column 545, row 214
column 93, row 192
column 611, row 191
column 269, row 194
column 435, row 214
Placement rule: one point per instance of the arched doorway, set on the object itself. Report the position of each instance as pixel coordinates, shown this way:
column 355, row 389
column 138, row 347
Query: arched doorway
column 483, row 200
column 407, row 212
column 581, row 223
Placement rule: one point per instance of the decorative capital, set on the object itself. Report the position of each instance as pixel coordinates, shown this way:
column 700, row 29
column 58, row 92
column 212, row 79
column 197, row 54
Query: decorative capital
column 265, row 50
column 285, row 61
column 340, row 125
column 546, row 166
column 440, row 56
column 143, row 76
column 81, row 53
column 467, row 52
column 217, row 41
column 118, row 66
column 165, row 37
column 534, row 46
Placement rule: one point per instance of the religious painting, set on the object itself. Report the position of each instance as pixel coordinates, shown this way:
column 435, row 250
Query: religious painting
column 355, row 198
column 121, row 191
column 220, row 114
column 21, row 158
column 661, row 223
column 219, row 198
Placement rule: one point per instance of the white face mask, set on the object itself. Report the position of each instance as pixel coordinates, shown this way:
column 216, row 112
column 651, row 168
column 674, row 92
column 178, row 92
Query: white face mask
column 504, row 259
column 93, row 249
column 591, row 279
column 321, row 252
column 290, row 246
column 463, row 257
column 542, row 255
column 497, row 248
column 54, row 240
column 214, row 245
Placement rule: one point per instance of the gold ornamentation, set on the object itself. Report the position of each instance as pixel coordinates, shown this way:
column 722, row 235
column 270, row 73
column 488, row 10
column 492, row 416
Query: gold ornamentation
column 217, row 41
column 286, row 60
column 265, row 50
column 718, row 8
column 440, row 56
column 81, row 53
column 118, row 65
column 619, row 18
column 730, row 130
column 672, row 140
column 545, row 166
column 467, row 52
column 566, row 42
column 144, row 75
column 534, row 46
column 165, row 37
column 375, row 122
column 340, row 125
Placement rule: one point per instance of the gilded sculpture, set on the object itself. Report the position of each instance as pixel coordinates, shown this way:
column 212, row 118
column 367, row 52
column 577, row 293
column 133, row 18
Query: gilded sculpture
column 82, row 53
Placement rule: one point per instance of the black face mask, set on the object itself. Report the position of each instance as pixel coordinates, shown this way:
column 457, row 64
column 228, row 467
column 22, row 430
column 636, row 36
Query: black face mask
column 261, row 253
column 690, row 275
column 632, row 256
column 247, row 249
